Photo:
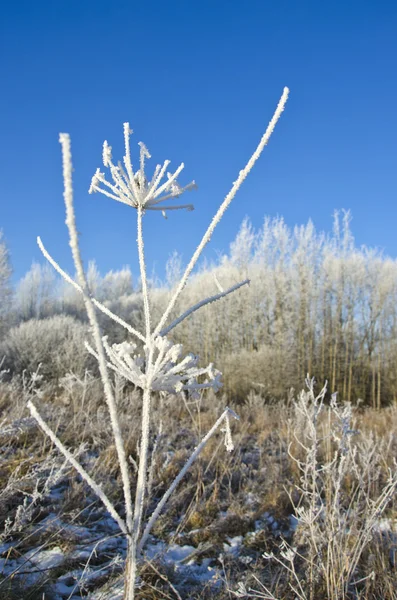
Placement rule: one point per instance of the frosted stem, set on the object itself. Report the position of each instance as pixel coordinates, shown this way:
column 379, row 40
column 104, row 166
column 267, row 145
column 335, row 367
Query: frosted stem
column 222, row 209
column 192, row 309
column 180, row 476
column 93, row 485
column 71, row 224
column 142, row 268
column 142, row 471
column 98, row 304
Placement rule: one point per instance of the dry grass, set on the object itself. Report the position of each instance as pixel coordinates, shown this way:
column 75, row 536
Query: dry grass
column 223, row 496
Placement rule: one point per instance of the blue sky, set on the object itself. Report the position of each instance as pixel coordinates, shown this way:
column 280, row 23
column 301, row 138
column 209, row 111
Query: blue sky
column 198, row 81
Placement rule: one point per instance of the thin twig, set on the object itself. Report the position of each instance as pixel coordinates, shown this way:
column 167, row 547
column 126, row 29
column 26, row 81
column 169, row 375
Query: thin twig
column 93, row 485
column 98, row 304
column 180, row 476
column 192, row 309
column 222, row 209
column 74, row 245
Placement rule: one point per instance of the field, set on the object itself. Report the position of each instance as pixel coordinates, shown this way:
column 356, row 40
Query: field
column 230, row 510
column 130, row 470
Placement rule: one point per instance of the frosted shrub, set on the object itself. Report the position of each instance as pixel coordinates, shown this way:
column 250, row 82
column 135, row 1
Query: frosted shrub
column 34, row 486
column 162, row 366
column 338, row 470
column 55, row 343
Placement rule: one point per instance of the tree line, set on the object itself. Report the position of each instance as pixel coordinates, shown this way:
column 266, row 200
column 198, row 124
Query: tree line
column 316, row 304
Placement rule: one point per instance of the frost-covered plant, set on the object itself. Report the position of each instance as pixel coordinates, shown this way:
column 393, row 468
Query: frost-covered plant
column 55, row 342
column 336, row 513
column 161, row 367
column 34, row 486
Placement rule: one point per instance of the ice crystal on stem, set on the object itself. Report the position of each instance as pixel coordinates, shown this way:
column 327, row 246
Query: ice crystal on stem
column 228, row 435
column 166, row 373
column 134, row 189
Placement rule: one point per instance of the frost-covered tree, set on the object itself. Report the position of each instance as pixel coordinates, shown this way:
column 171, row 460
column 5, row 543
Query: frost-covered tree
column 36, row 293
column 5, row 285
column 241, row 248
column 316, row 303
column 173, row 269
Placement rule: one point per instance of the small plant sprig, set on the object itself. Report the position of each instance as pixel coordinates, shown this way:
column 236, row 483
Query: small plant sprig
column 162, row 367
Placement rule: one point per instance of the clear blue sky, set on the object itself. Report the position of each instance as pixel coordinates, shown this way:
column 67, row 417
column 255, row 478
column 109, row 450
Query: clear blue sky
column 198, row 80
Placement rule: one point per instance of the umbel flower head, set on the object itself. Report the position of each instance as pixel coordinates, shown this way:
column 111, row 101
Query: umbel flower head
column 168, row 373
column 135, row 189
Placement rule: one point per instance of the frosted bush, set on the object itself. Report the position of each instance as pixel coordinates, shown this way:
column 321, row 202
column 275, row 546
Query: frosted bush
column 336, row 514
column 55, row 343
